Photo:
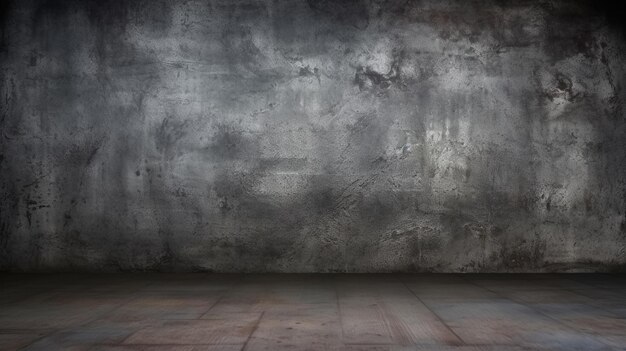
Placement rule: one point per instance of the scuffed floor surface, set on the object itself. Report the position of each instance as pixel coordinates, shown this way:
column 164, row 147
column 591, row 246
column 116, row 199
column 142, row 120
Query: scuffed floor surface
column 192, row 312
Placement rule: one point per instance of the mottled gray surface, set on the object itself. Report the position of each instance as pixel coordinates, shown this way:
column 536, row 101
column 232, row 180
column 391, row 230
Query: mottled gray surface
column 312, row 136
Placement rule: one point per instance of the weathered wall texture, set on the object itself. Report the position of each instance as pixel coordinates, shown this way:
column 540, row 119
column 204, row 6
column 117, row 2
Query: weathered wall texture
column 312, row 136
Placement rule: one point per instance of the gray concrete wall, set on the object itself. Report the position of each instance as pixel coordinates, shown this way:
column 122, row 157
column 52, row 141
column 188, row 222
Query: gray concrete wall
column 312, row 136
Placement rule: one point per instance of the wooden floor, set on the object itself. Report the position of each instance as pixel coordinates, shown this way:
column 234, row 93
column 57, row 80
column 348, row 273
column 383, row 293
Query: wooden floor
column 193, row 312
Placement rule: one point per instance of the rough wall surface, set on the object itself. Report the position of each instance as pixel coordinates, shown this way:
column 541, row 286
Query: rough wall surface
column 312, row 136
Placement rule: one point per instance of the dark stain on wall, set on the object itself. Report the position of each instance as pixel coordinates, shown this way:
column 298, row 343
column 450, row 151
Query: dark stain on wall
column 312, row 136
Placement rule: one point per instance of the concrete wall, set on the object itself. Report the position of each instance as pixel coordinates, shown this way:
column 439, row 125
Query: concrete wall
column 312, row 136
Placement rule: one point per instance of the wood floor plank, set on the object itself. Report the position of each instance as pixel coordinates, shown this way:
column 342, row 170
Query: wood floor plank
column 388, row 313
column 504, row 322
column 166, row 305
column 306, row 315
column 234, row 331
column 15, row 341
column 362, row 316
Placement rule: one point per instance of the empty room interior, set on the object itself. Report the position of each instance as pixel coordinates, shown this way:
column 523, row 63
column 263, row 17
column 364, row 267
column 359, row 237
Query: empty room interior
column 375, row 175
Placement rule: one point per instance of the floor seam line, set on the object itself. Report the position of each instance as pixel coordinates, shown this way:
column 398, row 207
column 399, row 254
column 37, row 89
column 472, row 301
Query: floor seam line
column 521, row 303
column 433, row 312
column 256, row 326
